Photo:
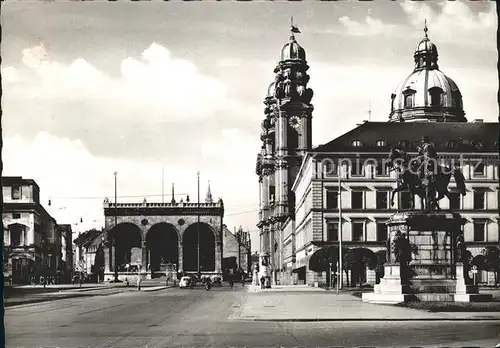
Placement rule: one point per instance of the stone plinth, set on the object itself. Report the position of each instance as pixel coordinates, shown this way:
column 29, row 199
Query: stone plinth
column 421, row 260
column 264, row 270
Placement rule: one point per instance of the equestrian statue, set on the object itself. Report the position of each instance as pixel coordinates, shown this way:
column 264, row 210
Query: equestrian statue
column 423, row 176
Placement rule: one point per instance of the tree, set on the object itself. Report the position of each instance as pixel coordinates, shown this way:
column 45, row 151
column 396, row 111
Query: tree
column 492, row 260
column 381, row 259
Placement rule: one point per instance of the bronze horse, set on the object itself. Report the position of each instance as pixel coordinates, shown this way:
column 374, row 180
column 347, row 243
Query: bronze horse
column 411, row 178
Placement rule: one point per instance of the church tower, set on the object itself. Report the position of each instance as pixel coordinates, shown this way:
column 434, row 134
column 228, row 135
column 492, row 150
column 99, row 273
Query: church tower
column 286, row 137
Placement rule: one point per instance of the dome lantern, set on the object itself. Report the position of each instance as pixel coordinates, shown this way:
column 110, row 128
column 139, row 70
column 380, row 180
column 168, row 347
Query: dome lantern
column 426, row 54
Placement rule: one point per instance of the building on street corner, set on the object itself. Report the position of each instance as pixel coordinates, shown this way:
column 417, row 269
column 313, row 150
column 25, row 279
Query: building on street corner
column 32, row 239
column 236, row 250
column 310, row 198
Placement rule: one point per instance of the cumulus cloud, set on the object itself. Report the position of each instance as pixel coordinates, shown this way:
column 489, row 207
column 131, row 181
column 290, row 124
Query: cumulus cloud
column 370, row 26
column 153, row 94
column 447, row 20
column 454, row 18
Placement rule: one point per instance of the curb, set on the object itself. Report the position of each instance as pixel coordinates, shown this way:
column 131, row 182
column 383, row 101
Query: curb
column 48, row 299
column 158, row 289
column 366, row 319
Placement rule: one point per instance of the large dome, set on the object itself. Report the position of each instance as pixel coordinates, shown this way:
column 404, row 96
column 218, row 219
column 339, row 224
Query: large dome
column 292, row 51
column 427, row 94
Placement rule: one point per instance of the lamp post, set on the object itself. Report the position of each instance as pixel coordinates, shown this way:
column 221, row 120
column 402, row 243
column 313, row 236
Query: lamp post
column 114, row 232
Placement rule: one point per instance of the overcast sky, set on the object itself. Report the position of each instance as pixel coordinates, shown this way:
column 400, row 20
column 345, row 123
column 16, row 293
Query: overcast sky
column 93, row 87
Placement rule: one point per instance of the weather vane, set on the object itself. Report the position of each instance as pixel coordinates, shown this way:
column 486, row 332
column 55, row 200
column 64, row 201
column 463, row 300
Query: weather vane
column 293, row 28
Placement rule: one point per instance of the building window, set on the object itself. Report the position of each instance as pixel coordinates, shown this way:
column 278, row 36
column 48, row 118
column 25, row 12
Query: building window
column 16, row 215
column 332, row 231
column 380, row 143
column 406, row 200
column 357, row 231
column 15, row 235
column 479, row 231
column 408, row 100
column 381, row 232
column 479, row 169
column 332, row 199
column 329, row 167
column 16, row 192
column 356, row 143
column 382, row 199
column 393, row 97
column 455, row 200
column 479, row 200
column 451, row 144
column 381, row 169
column 357, row 168
column 271, row 193
column 435, row 94
column 403, row 144
column 357, row 200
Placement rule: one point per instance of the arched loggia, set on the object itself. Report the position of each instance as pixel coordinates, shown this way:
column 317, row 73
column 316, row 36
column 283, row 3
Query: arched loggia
column 204, row 234
column 128, row 241
column 162, row 242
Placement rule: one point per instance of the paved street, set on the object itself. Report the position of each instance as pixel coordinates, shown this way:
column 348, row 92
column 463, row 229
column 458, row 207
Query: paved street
column 180, row 318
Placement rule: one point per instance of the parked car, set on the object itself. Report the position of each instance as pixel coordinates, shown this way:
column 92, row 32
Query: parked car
column 186, row 282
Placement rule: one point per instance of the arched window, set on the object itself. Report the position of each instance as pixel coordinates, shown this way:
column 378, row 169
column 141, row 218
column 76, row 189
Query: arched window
column 356, row 143
column 408, row 100
column 403, row 143
column 436, row 96
column 478, row 144
column 292, row 139
column 393, row 97
column 380, row 143
column 451, row 144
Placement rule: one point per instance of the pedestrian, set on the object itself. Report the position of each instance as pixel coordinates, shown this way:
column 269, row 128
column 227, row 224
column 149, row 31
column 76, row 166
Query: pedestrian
column 262, row 280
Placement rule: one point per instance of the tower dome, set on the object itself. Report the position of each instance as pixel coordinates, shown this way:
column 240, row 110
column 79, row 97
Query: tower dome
column 292, row 50
column 427, row 94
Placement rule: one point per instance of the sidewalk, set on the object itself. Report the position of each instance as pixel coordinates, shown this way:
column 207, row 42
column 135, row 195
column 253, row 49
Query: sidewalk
column 66, row 291
column 288, row 305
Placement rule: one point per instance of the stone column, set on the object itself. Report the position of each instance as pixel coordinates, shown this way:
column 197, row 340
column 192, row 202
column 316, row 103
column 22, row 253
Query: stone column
column 144, row 258
column 218, row 254
column 113, row 255
column 179, row 264
column 107, row 259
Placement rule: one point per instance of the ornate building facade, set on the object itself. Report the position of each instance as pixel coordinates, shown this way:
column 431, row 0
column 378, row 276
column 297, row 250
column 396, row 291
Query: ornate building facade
column 32, row 239
column 182, row 235
column 286, row 138
column 343, row 189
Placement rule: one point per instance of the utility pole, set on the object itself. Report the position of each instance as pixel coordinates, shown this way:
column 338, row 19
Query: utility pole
column 114, row 232
column 198, row 224
column 340, row 270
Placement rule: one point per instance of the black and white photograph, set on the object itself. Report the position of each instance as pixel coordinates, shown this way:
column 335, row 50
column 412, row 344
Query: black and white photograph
column 250, row 173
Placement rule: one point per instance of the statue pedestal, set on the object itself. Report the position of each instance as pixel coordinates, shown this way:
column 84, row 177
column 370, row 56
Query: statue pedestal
column 264, row 271
column 421, row 264
column 468, row 293
column 391, row 289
